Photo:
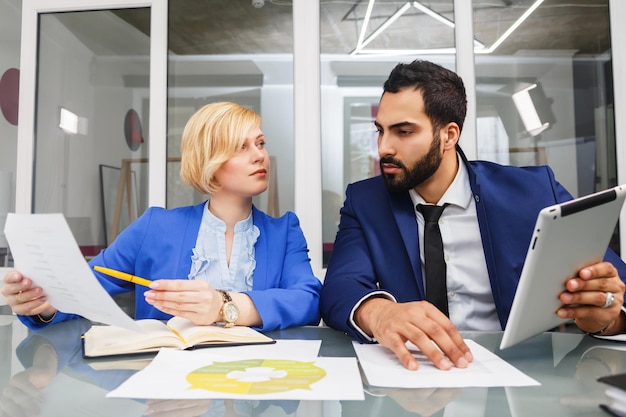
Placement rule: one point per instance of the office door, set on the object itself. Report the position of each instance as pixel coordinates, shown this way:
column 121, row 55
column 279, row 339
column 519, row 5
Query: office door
column 92, row 99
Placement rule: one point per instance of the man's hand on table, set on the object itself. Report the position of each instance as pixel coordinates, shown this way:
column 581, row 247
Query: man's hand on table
column 393, row 324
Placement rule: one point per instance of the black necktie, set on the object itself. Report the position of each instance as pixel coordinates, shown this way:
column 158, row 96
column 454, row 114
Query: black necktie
column 434, row 264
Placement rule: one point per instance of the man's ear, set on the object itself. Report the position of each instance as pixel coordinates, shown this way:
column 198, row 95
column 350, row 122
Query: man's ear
column 450, row 135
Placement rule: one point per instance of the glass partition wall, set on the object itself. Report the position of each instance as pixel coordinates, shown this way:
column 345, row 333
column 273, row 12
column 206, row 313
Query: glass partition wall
column 543, row 86
column 92, row 139
column 217, row 54
column 553, row 55
column 544, row 90
column 231, row 59
column 544, row 94
column 10, row 17
column 89, row 118
column 375, row 36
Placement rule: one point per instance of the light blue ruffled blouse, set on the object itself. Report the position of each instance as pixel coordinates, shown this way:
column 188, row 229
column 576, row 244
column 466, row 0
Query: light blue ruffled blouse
column 208, row 260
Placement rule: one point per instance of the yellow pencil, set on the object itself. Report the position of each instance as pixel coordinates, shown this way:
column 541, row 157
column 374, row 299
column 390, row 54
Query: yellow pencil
column 123, row 275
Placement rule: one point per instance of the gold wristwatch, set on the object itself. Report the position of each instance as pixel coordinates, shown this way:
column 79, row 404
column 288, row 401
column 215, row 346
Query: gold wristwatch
column 229, row 311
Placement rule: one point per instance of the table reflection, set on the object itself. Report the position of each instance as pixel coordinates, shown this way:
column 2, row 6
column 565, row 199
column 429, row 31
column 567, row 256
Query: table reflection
column 56, row 380
column 52, row 360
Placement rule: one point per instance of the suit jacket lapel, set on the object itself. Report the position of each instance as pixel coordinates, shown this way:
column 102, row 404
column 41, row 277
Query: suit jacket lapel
column 190, row 237
column 260, row 252
column 402, row 208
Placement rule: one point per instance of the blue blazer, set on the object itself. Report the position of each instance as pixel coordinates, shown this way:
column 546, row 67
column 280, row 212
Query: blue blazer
column 159, row 245
column 377, row 244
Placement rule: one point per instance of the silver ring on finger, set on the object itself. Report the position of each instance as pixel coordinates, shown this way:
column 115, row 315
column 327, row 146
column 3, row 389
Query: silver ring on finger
column 609, row 300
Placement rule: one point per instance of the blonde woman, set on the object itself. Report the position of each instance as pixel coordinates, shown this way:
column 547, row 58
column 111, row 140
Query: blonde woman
column 220, row 261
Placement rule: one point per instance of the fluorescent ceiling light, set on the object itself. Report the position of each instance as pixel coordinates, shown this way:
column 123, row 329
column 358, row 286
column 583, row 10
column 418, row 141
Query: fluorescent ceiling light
column 479, row 48
column 366, row 20
column 385, row 25
column 510, row 30
column 419, row 6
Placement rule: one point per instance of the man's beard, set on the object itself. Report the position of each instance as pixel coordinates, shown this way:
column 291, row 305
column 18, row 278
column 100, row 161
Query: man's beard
column 420, row 172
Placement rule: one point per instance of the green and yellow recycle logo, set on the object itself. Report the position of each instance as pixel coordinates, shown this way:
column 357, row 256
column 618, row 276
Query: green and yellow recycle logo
column 256, row 376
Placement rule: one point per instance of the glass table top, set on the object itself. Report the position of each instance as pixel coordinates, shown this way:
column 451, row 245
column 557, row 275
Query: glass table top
column 43, row 373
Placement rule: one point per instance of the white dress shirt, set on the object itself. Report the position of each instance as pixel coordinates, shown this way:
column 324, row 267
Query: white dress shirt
column 470, row 301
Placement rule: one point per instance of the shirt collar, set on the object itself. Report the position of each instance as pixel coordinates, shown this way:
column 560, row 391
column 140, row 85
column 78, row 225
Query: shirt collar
column 458, row 193
column 218, row 224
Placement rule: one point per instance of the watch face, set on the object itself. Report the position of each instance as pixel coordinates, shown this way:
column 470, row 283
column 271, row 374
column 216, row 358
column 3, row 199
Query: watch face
column 230, row 312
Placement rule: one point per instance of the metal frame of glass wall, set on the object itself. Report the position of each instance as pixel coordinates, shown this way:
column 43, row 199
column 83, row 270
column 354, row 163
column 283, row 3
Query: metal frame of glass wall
column 307, row 111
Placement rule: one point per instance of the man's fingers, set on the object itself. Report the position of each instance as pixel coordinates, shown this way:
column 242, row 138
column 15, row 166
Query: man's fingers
column 431, row 351
column 424, row 326
column 404, row 356
column 592, row 298
column 599, row 270
column 444, row 355
column 449, row 348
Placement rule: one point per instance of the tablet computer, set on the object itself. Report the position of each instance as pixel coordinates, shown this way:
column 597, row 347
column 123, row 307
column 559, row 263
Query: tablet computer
column 567, row 237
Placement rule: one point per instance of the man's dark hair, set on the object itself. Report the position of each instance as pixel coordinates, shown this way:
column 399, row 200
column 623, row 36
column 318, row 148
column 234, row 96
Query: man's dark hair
column 442, row 90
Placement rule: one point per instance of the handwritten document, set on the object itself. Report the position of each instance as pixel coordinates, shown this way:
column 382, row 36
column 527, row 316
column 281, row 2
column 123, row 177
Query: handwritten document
column 45, row 251
column 383, row 369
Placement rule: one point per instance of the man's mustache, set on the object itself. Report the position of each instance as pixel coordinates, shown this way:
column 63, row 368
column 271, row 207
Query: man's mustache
column 392, row 161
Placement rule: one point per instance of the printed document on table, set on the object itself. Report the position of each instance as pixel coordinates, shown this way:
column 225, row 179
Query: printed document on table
column 45, row 251
column 286, row 370
column 383, row 369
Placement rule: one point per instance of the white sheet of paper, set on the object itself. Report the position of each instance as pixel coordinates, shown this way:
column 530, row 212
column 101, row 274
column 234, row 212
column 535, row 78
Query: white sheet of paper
column 286, row 370
column 45, row 251
column 383, row 369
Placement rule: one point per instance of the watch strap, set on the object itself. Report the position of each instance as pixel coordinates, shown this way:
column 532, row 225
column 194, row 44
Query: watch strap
column 225, row 296
column 227, row 302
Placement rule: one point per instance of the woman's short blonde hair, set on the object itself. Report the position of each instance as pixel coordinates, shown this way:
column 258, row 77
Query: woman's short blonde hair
column 212, row 136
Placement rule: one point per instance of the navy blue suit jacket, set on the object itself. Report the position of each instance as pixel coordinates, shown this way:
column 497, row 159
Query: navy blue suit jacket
column 377, row 244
